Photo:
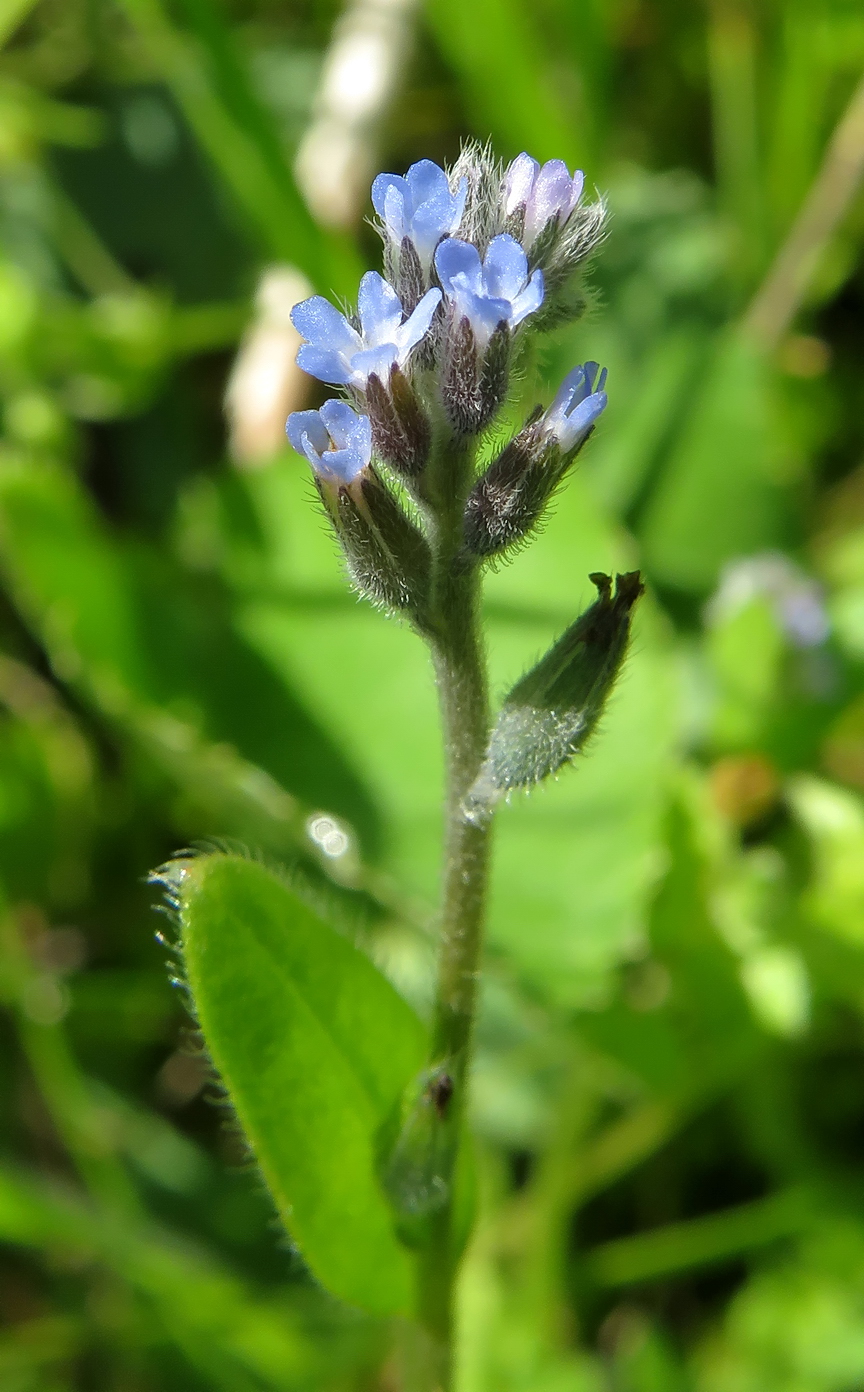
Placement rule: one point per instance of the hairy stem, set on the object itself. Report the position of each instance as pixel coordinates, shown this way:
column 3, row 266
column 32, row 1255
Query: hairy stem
column 460, row 667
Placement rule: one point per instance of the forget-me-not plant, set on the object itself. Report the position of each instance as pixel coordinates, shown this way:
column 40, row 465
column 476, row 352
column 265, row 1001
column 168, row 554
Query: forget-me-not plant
column 421, row 495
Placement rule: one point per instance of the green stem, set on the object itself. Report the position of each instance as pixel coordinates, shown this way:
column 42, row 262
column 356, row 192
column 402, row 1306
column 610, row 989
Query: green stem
column 460, row 667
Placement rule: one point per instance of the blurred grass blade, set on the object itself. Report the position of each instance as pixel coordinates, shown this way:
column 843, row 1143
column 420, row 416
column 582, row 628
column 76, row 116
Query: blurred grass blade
column 701, row 1241
column 13, row 13
column 210, row 84
column 238, row 1341
column 491, row 38
column 839, row 177
column 315, row 1049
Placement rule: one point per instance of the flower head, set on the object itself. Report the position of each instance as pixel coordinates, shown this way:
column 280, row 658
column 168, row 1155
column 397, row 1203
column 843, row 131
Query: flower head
column 336, row 441
column 579, row 401
column 546, row 192
column 797, row 601
column 335, row 351
column 420, row 207
column 498, row 291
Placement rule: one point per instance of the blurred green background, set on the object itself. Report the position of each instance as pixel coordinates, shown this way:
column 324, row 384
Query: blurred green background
column 669, row 1088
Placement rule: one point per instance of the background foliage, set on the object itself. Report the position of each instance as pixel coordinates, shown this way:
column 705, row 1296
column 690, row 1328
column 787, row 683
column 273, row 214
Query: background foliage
column 669, row 1090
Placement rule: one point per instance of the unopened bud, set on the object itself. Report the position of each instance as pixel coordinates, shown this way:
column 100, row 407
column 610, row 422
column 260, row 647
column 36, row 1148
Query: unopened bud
column 387, row 556
column 401, row 433
column 474, row 381
column 552, row 711
column 507, row 501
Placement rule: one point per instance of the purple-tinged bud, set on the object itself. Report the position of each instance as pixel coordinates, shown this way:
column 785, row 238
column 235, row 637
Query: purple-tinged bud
column 401, row 433
column 552, row 712
column 542, row 194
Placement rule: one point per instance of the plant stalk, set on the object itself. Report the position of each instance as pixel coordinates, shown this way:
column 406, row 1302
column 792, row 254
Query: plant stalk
column 460, row 666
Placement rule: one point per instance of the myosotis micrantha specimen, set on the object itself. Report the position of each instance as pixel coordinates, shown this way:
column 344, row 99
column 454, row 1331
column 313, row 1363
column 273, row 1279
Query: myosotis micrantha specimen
column 477, row 260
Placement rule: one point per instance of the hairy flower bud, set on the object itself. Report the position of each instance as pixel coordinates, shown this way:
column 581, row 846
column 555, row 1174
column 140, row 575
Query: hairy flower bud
column 386, row 555
column 508, row 500
column 401, row 433
column 552, row 711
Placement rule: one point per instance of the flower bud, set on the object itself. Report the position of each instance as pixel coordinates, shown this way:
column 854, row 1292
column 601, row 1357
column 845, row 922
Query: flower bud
column 551, row 712
column 508, row 500
column 401, row 433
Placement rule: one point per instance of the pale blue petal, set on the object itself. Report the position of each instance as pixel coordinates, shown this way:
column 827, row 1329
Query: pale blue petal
column 395, row 215
column 432, row 221
column 572, row 390
column 486, row 314
column 505, row 268
column 417, row 325
column 519, row 181
column 456, row 258
column 579, row 422
column 426, row 181
column 310, row 424
column 341, row 466
column 319, row 322
column 382, row 186
column 373, row 362
column 552, row 190
column 347, row 429
column 380, row 309
column 576, row 187
column 530, row 299
column 325, row 364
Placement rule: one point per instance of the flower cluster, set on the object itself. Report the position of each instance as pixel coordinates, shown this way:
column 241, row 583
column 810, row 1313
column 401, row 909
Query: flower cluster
column 475, row 259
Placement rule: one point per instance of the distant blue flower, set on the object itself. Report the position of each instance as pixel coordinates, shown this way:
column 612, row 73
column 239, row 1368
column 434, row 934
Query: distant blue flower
column 796, row 600
column 546, row 192
column 336, row 441
column 579, row 401
column 420, row 207
column 498, row 291
column 335, row 352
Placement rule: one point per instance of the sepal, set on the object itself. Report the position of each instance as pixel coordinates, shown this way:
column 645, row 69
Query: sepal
column 473, row 382
column 387, row 557
column 550, row 714
column 401, row 433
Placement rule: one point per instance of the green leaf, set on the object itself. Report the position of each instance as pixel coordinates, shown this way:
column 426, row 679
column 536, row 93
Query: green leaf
column 315, row 1048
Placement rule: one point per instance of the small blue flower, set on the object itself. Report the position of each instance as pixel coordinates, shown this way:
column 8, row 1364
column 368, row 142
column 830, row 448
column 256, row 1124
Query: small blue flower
column 579, row 401
column 496, row 292
column 546, row 193
column 420, row 207
column 335, row 352
column 336, row 441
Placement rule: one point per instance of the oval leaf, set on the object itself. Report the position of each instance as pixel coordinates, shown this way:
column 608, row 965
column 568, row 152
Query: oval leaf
column 315, row 1048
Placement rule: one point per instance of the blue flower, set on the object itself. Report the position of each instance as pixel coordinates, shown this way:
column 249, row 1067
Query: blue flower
column 335, row 352
column 496, row 292
column 336, row 441
column 579, row 401
column 546, row 193
column 420, row 207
